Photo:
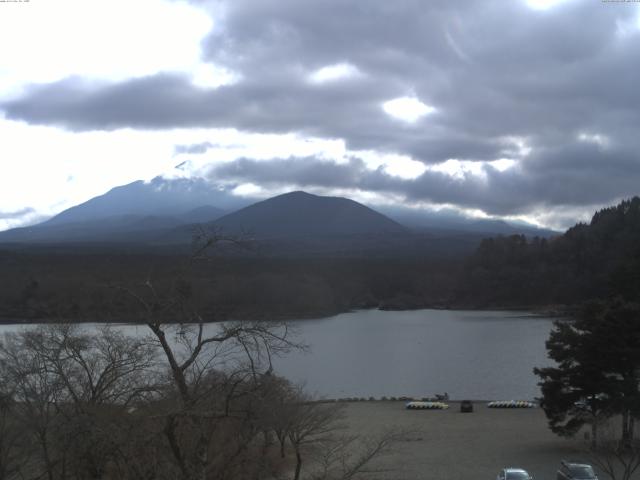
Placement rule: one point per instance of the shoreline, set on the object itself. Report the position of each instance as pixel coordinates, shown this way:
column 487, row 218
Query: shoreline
column 548, row 311
column 404, row 400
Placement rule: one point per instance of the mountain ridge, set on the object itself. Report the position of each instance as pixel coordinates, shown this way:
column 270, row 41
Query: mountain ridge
column 299, row 213
column 166, row 210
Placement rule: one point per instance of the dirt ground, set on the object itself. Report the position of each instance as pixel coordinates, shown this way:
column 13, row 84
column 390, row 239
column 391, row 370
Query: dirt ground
column 447, row 444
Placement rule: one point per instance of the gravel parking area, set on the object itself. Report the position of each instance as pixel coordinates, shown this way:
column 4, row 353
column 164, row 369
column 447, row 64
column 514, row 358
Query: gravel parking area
column 447, row 444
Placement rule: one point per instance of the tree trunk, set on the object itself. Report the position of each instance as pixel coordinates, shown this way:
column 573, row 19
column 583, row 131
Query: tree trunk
column 298, row 464
column 45, row 452
column 203, row 455
column 282, row 438
column 625, row 426
column 170, row 433
column 267, row 442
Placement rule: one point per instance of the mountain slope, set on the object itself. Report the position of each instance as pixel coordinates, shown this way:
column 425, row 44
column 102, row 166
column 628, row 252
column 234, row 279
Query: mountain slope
column 137, row 212
column 130, row 228
column 118, row 228
column 159, row 197
column 453, row 221
column 300, row 214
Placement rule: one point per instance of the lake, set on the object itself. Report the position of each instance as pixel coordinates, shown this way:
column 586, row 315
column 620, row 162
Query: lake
column 468, row 354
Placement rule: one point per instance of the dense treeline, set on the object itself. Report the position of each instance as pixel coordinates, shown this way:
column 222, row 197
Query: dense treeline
column 79, row 286
column 596, row 260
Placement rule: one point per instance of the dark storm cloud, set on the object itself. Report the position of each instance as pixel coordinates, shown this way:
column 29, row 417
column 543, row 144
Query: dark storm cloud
column 540, row 182
column 304, row 172
column 494, row 70
column 165, row 101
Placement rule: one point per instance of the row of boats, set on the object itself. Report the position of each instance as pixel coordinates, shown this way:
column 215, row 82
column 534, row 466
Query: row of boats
column 416, row 405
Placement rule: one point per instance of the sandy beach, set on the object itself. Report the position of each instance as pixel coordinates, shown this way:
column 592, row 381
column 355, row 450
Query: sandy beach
column 447, row 444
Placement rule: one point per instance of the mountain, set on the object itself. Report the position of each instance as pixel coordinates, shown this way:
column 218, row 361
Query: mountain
column 453, row 221
column 301, row 214
column 203, row 214
column 128, row 228
column 163, row 212
column 139, row 212
column 159, row 197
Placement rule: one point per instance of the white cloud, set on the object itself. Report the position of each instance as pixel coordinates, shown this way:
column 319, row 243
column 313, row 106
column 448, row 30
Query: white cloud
column 247, row 190
column 397, row 165
column 44, row 41
column 502, row 164
column 408, row 109
column 405, row 168
column 335, row 72
column 458, row 168
column 49, row 169
column 207, row 75
column 462, row 168
column 598, row 139
column 521, row 144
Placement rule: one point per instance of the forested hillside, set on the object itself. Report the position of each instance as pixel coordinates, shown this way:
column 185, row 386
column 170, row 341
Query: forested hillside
column 598, row 260
column 595, row 260
column 85, row 287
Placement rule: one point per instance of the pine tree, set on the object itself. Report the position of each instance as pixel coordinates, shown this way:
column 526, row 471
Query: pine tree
column 598, row 369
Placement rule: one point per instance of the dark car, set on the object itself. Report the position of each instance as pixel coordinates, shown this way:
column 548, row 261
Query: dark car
column 575, row 471
column 514, row 474
column 466, row 406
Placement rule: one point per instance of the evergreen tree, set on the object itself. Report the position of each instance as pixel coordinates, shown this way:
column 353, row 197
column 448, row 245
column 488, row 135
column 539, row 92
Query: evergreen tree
column 598, row 369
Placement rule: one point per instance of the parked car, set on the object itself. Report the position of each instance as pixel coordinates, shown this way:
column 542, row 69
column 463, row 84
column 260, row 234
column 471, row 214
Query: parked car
column 575, row 471
column 514, row 474
column 466, row 406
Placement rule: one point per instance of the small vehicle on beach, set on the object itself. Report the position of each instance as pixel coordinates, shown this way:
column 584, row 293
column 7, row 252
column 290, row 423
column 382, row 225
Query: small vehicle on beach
column 575, row 471
column 514, row 474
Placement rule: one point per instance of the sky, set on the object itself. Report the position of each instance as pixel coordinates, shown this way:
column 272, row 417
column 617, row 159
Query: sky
column 515, row 109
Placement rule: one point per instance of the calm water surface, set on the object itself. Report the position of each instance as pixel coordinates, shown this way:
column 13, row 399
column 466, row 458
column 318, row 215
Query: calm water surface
column 469, row 354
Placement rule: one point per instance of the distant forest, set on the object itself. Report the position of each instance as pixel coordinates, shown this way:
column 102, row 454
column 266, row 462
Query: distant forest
column 87, row 287
column 596, row 260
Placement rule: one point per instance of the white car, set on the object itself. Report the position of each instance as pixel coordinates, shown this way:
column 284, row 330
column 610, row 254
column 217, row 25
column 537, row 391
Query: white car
column 514, row 474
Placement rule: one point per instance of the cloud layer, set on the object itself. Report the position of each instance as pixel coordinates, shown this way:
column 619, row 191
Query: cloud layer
column 554, row 90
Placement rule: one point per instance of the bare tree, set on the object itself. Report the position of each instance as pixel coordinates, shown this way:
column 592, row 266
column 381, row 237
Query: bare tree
column 617, row 458
column 311, row 423
column 35, row 391
column 211, row 366
column 317, row 430
column 349, row 456
column 13, row 448
column 70, row 389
